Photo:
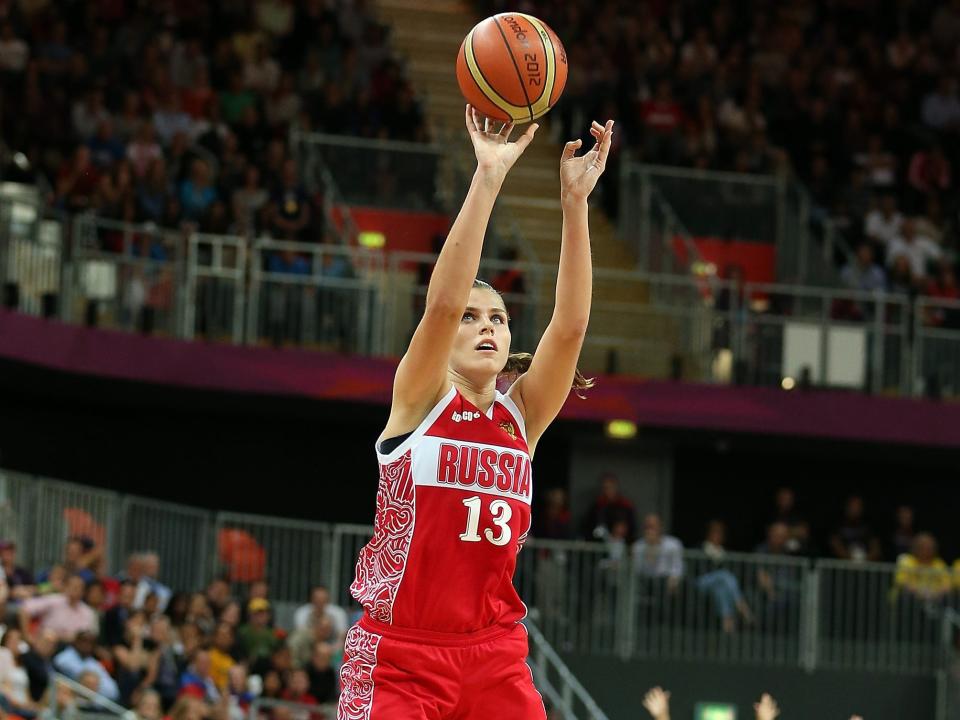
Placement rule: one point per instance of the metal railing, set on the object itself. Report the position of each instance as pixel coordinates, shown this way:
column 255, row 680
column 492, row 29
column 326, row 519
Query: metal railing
column 347, row 298
column 293, row 710
column 554, row 679
column 314, row 296
column 774, row 209
column 585, row 597
column 839, row 338
column 126, row 276
column 31, row 251
column 936, row 359
column 948, row 676
column 214, row 306
column 374, row 173
column 63, row 704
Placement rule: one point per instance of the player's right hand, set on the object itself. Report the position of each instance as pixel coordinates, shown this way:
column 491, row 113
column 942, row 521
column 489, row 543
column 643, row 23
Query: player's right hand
column 491, row 144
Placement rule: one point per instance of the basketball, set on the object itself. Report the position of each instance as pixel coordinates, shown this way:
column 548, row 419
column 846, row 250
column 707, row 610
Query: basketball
column 512, row 66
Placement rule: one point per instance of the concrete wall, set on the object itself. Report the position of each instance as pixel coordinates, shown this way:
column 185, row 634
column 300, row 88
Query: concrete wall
column 822, row 695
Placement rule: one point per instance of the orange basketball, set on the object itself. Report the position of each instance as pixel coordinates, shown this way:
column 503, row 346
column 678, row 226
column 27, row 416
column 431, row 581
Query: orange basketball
column 512, row 67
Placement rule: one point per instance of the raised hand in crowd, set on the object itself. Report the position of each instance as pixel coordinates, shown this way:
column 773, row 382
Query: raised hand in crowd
column 657, row 703
column 767, row 708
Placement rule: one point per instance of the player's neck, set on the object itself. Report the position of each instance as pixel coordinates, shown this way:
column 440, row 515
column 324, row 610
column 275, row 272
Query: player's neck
column 482, row 396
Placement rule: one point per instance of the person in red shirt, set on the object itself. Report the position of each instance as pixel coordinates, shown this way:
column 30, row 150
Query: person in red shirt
column 944, row 287
column 298, row 691
column 662, row 119
column 608, row 509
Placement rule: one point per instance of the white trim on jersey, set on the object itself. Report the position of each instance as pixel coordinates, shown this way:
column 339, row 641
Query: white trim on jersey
column 426, row 463
column 415, row 436
column 514, row 410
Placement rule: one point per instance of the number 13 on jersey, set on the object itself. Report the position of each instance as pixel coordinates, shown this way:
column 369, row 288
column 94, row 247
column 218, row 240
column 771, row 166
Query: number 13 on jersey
column 501, row 512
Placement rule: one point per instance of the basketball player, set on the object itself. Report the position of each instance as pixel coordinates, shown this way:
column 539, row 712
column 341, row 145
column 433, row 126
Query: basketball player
column 441, row 637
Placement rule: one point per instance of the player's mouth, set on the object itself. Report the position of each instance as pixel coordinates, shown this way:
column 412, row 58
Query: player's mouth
column 486, row 346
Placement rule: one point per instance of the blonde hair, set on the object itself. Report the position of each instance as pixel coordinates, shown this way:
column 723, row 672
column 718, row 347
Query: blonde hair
column 519, row 362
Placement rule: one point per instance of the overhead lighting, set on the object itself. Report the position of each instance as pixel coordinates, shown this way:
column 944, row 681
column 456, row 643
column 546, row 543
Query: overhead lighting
column 788, row 383
column 621, row 429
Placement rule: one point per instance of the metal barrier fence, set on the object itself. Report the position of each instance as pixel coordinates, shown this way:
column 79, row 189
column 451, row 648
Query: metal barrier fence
column 656, row 200
column 126, row 276
column 69, row 700
column 31, row 253
column 936, row 359
column 948, row 676
column 839, row 338
column 214, row 307
column 584, row 597
column 291, row 556
column 345, row 298
column 881, row 618
column 553, row 678
column 315, row 296
column 373, row 172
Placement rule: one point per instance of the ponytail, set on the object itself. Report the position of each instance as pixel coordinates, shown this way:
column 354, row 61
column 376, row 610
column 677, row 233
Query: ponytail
column 518, row 363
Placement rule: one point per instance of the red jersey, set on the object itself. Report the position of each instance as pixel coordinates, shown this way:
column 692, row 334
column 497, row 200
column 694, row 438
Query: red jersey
column 453, row 511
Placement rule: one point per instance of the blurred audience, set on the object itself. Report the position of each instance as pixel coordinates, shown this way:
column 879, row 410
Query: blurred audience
column 206, row 87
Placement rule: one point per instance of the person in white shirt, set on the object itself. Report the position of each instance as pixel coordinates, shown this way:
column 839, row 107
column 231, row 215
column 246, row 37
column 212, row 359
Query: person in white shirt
column 657, row 555
column 918, row 249
column 883, row 224
column 14, row 681
column 320, row 606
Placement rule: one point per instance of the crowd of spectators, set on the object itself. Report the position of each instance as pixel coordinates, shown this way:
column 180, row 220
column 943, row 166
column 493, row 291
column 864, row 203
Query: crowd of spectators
column 859, row 98
column 921, row 573
column 177, row 112
column 135, row 641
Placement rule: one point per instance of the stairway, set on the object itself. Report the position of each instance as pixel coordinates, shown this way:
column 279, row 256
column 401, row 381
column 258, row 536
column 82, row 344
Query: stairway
column 427, row 34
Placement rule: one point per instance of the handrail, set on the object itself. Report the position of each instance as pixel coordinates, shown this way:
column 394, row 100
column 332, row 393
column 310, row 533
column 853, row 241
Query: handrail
column 543, row 653
column 371, row 143
column 88, row 694
column 332, row 197
column 261, row 702
column 686, row 173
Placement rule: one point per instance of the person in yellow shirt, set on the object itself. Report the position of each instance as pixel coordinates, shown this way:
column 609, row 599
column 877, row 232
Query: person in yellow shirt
column 221, row 656
column 922, row 572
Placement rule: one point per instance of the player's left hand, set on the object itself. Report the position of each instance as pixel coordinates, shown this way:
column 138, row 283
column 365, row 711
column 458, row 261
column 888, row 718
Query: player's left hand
column 579, row 173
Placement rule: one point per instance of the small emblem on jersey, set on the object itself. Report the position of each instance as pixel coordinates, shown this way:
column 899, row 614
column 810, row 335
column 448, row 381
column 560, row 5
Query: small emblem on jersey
column 508, row 428
column 466, row 417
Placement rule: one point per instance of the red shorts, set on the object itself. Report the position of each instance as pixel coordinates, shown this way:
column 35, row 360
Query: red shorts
column 391, row 674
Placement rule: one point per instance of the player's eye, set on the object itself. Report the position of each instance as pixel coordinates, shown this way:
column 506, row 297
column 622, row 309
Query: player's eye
column 500, row 319
column 467, row 316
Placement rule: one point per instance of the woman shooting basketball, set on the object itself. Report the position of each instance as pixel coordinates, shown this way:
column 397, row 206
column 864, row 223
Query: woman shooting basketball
column 441, row 636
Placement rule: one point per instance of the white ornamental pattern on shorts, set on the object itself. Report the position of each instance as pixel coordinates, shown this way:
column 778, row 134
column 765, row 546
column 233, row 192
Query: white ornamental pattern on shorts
column 356, row 675
column 382, row 561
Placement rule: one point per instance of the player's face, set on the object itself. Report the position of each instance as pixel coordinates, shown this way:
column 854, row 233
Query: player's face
column 483, row 339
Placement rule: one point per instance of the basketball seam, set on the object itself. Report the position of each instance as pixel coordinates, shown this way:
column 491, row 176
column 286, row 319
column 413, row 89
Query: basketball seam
column 550, row 58
column 515, row 67
column 485, row 79
column 546, row 59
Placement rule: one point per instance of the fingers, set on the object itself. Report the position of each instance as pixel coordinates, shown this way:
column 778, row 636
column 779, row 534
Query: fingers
column 527, row 137
column 472, row 119
column 570, row 149
column 604, row 149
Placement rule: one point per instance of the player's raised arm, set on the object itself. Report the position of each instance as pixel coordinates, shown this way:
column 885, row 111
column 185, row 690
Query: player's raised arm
column 421, row 377
column 542, row 390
